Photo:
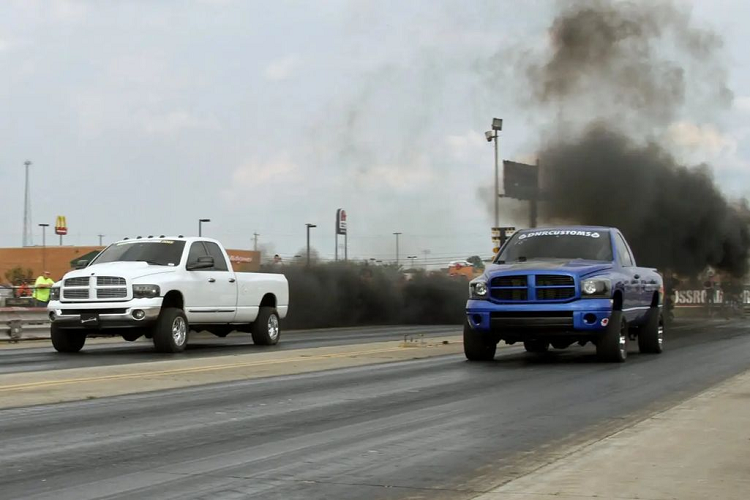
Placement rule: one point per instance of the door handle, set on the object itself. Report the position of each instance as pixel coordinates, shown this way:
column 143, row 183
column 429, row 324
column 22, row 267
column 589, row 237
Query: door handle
column 211, row 280
column 232, row 280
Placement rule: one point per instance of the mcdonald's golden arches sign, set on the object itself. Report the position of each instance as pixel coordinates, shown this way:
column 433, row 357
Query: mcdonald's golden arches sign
column 61, row 225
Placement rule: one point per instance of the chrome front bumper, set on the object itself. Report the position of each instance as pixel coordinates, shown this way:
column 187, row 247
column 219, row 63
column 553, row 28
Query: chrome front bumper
column 131, row 314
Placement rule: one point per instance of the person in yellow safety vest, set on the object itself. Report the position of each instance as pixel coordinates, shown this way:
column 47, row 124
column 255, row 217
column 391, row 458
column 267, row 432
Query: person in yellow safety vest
column 41, row 289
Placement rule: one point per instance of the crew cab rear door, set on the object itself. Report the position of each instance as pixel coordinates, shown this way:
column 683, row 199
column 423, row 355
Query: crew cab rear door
column 210, row 293
column 633, row 297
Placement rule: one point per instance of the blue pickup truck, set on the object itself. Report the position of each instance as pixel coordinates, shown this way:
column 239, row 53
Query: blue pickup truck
column 564, row 285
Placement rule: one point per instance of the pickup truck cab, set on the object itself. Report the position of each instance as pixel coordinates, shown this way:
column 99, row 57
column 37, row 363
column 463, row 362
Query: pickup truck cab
column 559, row 286
column 161, row 288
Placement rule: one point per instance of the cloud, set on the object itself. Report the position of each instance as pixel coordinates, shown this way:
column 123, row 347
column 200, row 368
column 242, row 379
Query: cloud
column 281, row 69
column 256, row 174
column 416, row 176
column 174, row 122
column 467, row 147
column 703, row 139
column 742, row 104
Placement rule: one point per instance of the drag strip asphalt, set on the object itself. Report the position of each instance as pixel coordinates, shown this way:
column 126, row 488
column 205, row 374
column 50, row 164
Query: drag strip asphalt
column 43, row 357
column 438, row 427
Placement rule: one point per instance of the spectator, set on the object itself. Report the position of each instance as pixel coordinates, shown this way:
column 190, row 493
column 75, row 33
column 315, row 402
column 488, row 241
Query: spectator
column 22, row 289
column 41, row 289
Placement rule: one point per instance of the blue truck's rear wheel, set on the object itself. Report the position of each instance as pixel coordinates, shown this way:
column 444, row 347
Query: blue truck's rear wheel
column 651, row 335
column 478, row 346
column 612, row 346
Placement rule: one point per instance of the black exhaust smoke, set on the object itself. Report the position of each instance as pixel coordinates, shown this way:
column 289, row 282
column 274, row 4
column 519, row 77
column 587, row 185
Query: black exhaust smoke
column 351, row 294
column 617, row 76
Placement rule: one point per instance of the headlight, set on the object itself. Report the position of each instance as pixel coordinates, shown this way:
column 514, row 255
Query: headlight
column 145, row 291
column 54, row 293
column 478, row 290
column 596, row 288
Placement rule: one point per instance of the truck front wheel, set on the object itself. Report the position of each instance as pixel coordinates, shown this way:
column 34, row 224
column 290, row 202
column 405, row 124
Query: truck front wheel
column 266, row 329
column 651, row 335
column 67, row 340
column 477, row 346
column 613, row 344
column 170, row 333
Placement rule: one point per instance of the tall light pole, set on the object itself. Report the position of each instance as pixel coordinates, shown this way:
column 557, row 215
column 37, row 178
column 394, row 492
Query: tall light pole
column 425, row 253
column 100, row 239
column 397, row 235
column 200, row 226
column 490, row 135
column 255, row 241
column 309, row 226
column 44, row 246
column 28, row 235
column 411, row 260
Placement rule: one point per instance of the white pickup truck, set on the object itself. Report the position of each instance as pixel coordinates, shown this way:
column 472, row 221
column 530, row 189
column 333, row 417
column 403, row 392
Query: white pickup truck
column 162, row 288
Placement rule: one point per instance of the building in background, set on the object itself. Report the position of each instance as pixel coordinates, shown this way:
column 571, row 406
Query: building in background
column 60, row 260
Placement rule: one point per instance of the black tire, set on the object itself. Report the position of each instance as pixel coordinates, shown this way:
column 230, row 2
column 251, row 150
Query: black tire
column 478, row 346
column 651, row 335
column 266, row 329
column 536, row 346
column 170, row 333
column 613, row 344
column 67, row 340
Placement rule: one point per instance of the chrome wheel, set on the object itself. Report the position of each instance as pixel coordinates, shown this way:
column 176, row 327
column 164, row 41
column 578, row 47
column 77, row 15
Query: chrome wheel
column 179, row 330
column 660, row 333
column 273, row 327
column 623, row 341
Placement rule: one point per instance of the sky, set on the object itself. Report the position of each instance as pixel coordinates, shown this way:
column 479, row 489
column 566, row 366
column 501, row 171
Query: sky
column 140, row 117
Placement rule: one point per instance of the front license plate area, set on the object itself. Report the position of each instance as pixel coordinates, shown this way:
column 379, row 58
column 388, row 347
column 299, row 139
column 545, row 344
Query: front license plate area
column 90, row 319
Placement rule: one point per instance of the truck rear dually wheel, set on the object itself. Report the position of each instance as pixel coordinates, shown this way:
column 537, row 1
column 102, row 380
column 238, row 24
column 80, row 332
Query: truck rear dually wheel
column 67, row 340
column 478, row 346
column 266, row 329
column 170, row 334
column 651, row 335
column 613, row 344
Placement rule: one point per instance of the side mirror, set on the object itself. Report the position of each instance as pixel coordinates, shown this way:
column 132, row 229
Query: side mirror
column 81, row 264
column 202, row 263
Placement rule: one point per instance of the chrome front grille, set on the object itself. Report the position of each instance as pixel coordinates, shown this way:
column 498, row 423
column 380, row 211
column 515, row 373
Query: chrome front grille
column 77, row 281
column 90, row 289
column 110, row 281
column 75, row 293
column 111, row 293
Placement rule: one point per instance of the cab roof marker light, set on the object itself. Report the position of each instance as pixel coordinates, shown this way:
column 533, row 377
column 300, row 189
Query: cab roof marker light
column 161, row 236
column 150, row 236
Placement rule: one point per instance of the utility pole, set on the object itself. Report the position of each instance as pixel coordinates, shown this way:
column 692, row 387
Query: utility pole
column 397, row 235
column 490, row 135
column 28, row 237
column 100, row 239
column 44, row 245
column 255, row 241
column 425, row 253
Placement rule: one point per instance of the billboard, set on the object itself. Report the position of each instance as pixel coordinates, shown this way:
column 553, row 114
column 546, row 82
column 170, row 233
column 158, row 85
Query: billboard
column 340, row 221
column 61, row 225
column 521, row 180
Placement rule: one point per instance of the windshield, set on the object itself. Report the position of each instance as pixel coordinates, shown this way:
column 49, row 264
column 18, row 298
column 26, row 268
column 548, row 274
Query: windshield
column 157, row 252
column 587, row 245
